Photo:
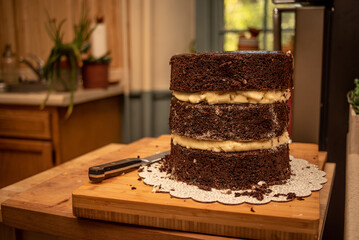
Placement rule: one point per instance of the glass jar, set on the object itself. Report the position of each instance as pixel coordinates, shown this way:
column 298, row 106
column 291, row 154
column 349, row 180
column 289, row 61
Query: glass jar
column 9, row 64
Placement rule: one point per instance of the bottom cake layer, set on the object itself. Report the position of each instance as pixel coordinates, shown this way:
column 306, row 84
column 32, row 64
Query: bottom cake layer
column 228, row 170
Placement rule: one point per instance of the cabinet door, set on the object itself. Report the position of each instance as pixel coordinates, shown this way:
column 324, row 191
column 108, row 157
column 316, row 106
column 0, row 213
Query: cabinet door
column 20, row 159
column 24, row 123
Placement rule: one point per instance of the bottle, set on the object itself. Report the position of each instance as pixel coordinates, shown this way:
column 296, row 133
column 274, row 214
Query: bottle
column 10, row 74
column 99, row 38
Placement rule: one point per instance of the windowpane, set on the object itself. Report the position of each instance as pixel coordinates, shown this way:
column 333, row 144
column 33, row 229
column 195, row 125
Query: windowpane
column 239, row 15
column 270, row 40
column 230, row 41
column 287, row 40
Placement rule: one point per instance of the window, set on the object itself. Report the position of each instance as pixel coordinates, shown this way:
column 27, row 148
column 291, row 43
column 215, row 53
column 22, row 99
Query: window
column 239, row 15
column 220, row 22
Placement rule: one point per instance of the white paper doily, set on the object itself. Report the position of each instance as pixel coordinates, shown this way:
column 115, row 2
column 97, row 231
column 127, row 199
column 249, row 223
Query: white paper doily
column 305, row 178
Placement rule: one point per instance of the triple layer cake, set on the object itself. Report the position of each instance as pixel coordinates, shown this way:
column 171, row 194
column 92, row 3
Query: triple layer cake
column 229, row 118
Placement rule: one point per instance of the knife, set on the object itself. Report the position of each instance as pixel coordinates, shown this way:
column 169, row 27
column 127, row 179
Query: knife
column 100, row 172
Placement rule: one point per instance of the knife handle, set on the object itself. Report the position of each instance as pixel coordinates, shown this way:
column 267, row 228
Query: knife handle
column 107, row 170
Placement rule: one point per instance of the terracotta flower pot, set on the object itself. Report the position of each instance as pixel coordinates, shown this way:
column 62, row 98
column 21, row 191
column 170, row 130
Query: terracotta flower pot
column 95, row 75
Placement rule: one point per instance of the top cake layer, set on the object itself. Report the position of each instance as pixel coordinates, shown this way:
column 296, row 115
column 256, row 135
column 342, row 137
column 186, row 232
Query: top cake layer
column 231, row 71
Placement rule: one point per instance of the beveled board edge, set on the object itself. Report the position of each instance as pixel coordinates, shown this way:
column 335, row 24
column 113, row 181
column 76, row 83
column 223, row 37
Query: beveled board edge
column 179, row 218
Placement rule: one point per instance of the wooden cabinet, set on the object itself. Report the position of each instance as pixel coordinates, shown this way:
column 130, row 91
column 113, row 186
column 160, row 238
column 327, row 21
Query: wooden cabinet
column 33, row 140
column 22, row 158
column 25, row 123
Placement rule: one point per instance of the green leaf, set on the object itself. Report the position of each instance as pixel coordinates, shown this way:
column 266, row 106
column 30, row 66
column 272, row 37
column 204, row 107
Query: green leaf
column 353, row 96
column 71, row 51
column 72, row 60
column 51, row 85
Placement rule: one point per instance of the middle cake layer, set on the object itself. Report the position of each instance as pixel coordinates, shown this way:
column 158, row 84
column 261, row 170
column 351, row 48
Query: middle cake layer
column 240, row 122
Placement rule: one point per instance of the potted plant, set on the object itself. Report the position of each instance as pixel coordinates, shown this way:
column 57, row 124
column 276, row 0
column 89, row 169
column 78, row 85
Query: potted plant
column 69, row 54
column 95, row 71
column 353, row 136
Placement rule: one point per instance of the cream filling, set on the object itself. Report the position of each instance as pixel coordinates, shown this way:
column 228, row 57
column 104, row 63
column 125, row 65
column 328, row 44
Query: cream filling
column 215, row 97
column 229, row 145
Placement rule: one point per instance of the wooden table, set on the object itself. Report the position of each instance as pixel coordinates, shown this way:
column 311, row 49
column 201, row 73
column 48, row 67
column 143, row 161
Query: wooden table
column 41, row 205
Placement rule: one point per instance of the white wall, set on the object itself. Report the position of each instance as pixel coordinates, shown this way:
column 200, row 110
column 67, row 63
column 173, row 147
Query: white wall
column 156, row 30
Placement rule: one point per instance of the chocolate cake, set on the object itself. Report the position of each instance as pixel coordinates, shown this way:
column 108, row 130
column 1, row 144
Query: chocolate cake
column 229, row 118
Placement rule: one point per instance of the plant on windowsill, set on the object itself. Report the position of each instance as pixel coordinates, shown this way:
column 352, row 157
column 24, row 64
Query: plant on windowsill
column 353, row 133
column 95, row 71
column 69, row 54
column 353, row 97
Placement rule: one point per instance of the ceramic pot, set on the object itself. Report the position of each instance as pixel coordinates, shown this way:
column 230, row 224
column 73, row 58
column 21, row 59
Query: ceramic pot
column 95, row 75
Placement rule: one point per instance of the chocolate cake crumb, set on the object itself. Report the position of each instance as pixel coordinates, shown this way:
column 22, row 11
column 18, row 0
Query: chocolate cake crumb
column 258, row 195
column 300, row 198
column 133, row 188
column 252, row 210
column 138, row 156
column 280, row 194
column 258, row 192
column 139, row 179
column 291, row 196
column 206, row 188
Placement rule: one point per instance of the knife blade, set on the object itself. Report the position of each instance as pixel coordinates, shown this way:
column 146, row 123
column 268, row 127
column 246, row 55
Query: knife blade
column 100, row 172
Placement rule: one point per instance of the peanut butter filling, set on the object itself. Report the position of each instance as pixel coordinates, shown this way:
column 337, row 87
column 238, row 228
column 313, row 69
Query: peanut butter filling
column 230, row 145
column 215, row 97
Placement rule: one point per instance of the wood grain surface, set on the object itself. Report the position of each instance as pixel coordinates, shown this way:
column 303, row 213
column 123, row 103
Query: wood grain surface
column 41, row 206
column 116, row 200
column 23, row 123
column 20, row 159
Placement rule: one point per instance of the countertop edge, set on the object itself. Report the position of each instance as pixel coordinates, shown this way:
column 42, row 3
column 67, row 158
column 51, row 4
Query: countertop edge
column 61, row 99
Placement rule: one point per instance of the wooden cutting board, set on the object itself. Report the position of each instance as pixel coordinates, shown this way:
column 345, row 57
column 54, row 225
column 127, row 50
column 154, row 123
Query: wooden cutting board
column 125, row 199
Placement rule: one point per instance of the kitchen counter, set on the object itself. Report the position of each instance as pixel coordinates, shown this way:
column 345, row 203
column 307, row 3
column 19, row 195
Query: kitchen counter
column 41, row 206
column 60, row 99
column 40, row 139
